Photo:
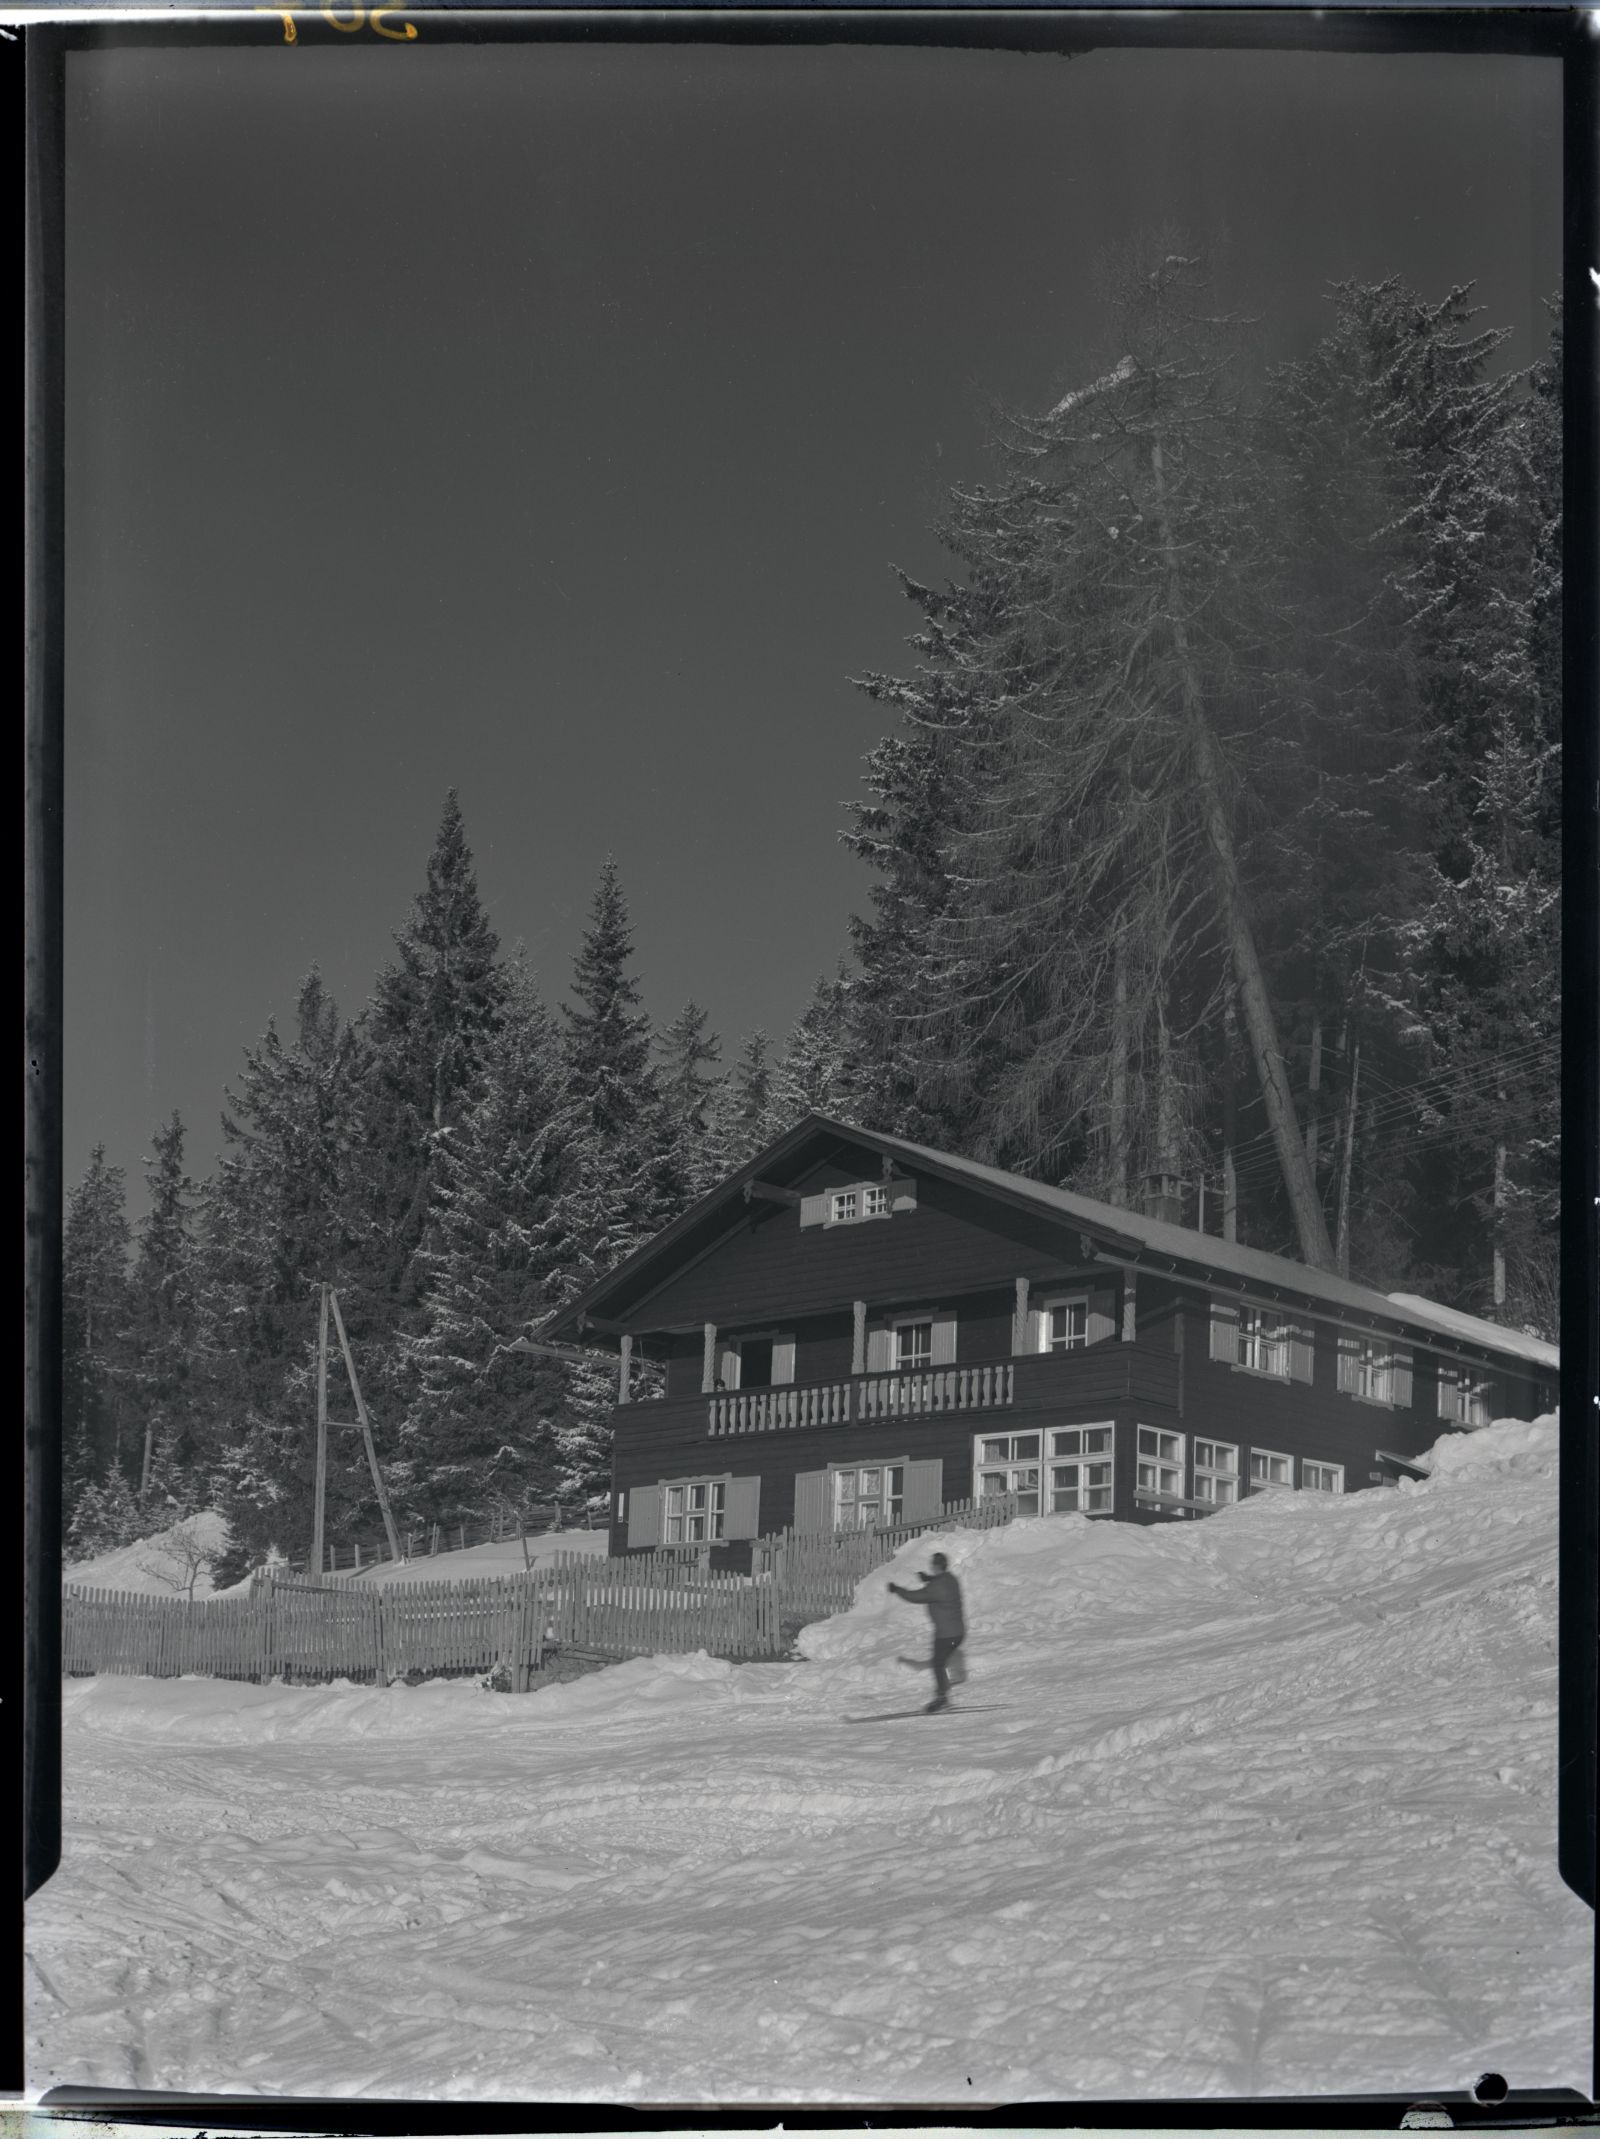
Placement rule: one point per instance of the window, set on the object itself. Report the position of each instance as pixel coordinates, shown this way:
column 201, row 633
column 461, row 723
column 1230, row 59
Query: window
column 1376, row 1373
column 857, row 1201
column 694, row 1511
column 1263, row 1342
column 1160, row 1461
column 868, row 1497
column 1322, row 1477
column 1216, row 1472
column 1080, row 1480
column 1465, row 1398
column 1267, row 1467
column 1064, row 1324
column 913, row 1345
column 1009, row 1463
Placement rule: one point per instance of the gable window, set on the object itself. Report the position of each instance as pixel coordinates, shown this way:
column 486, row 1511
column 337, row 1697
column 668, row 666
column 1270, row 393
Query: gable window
column 1009, row 1463
column 869, row 1497
column 1268, row 1467
column 1465, row 1398
column 1160, row 1461
column 1216, row 1472
column 856, row 1201
column 1322, row 1477
column 693, row 1511
column 1080, row 1480
column 1064, row 1324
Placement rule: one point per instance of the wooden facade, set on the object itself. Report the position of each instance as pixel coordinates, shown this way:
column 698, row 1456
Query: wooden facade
column 817, row 1368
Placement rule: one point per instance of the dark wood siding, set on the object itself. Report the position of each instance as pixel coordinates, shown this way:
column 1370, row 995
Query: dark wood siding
column 953, row 1245
column 671, row 1438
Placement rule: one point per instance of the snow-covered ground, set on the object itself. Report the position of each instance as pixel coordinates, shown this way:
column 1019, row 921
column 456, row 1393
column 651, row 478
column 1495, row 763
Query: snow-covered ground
column 1259, row 1805
column 503, row 1558
column 157, row 1566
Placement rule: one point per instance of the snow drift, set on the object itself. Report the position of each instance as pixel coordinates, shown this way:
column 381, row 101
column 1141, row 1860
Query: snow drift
column 1256, row 1805
column 158, row 1565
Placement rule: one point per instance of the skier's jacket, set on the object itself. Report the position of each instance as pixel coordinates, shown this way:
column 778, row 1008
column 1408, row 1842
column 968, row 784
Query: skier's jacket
column 941, row 1593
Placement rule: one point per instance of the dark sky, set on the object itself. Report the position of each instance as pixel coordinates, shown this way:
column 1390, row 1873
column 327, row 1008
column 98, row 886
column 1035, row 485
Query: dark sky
column 542, row 422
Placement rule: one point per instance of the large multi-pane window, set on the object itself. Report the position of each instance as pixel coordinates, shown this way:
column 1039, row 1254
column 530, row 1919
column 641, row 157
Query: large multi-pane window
column 1216, row 1472
column 1009, row 1463
column 1322, row 1477
column 1267, row 1467
column 868, row 1497
column 1160, row 1461
column 1064, row 1325
column 693, row 1512
column 913, row 1345
column 1263, row 1341
column 1080, row 1470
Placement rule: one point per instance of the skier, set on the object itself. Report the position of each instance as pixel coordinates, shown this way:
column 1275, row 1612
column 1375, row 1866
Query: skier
column 941, row 1593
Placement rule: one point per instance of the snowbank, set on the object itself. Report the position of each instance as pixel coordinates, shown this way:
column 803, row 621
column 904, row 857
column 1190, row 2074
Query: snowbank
column 1256, row 1805
column 158, row 1565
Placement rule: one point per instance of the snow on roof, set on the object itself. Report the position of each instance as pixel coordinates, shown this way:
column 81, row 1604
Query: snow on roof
column 1251, row 1265
column 1516, row 1342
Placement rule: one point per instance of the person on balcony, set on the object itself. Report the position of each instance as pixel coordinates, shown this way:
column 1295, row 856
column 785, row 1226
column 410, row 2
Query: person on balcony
column 941, row 1593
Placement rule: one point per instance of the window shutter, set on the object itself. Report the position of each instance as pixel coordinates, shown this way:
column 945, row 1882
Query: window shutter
column 1022, row 1321
column 742, row 1508
column 1225, row 1334
column 902, row 1195
column 1401, row 1379
column 814, row 1209
column 1349, row 1352
column 644, row 1516
column 782, row 1360
column 944, row 1339
column 1302, row 1354
column 728, row 1365
column 1446, row 1405
column 924, row 1490
column 1102, row 1317
column 813, row 1503
column 880, row 1355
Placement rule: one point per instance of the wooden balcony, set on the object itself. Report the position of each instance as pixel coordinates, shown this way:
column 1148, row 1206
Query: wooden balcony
column 862, row 1399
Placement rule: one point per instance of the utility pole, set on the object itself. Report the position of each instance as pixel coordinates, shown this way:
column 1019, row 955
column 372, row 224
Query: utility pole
column 366, row 1429
column 322, row 1438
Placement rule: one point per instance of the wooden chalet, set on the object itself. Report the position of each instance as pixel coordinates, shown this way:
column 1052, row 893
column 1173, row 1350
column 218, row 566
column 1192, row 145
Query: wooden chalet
column 857, row 1330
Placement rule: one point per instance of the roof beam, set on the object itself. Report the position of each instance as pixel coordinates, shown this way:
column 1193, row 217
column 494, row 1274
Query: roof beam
column 770, row 1192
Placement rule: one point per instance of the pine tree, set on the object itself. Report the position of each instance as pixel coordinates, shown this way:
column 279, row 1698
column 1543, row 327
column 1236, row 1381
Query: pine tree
column 742, row 1117
column 627, row 1178
column 433, row 1012
column 280, row 1214
column 692, row 1091
column 483, row 1418
column 815, row 1073
column 94, row 1329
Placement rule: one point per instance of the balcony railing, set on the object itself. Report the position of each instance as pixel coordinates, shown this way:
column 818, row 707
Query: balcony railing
column 862, row 1399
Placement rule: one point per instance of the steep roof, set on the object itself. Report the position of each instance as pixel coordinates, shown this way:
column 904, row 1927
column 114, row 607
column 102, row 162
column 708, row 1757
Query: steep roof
column 1123, row 1236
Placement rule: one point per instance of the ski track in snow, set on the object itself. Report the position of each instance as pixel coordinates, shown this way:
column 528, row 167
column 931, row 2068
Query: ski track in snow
column 1264, row 1805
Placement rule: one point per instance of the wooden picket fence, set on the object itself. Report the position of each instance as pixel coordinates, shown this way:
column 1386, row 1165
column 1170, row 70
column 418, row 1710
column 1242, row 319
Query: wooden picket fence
column 815, row 1573
column 648, row 1604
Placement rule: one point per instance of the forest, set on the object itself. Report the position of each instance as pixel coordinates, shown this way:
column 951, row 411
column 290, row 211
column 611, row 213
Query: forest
column 1212, row 855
